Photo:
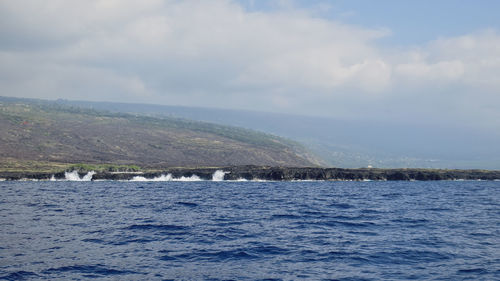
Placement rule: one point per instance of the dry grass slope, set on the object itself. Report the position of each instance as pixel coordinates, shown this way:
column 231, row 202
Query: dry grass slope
column 46, row 132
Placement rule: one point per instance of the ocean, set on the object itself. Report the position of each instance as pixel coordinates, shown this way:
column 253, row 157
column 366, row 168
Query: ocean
column 205, row 230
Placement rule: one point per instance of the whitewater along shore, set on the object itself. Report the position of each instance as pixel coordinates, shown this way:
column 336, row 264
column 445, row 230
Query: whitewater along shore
column 263, row 173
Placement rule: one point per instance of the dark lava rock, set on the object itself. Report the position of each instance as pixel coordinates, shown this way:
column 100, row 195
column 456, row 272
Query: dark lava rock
column 281, row 174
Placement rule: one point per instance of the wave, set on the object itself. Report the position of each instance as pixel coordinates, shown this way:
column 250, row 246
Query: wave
column 167, row 177
column 68, row 176
column 160, row 178
column 187, row 204
column 74, row 176
column 191, row 178
column 212, row 256
column 218, row 175
column 99, row 269
column 19, row 275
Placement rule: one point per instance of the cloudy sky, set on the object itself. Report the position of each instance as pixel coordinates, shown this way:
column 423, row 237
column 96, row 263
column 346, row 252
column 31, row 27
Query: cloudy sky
column 408, row 61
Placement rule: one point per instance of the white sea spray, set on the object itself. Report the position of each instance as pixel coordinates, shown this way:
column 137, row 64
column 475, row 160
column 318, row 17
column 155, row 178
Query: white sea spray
column 191, row 178
column 162, row 177
column 167, row 177
column 218, row 175
column 74, row 176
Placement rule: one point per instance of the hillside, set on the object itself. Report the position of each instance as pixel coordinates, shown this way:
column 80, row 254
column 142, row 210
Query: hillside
column 349, row 143
column 36, row 131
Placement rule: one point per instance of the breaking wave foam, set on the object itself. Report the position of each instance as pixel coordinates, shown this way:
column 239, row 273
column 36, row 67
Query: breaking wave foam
column 218, row 175
column 74, row 176
column 191, row 178
column 167, row 177
column 160, row 178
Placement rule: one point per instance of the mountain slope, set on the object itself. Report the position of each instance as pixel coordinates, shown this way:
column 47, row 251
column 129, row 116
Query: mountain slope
column 350, row 143
column 45, row 131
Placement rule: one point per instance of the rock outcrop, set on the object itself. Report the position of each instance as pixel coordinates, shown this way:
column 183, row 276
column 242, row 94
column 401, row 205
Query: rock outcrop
column 279, row 174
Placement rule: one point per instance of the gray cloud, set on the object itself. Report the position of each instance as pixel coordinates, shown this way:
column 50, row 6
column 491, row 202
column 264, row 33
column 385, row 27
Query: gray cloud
column 214, row 53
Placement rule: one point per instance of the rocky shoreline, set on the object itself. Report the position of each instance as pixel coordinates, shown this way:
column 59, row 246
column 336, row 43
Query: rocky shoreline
column 272, row 174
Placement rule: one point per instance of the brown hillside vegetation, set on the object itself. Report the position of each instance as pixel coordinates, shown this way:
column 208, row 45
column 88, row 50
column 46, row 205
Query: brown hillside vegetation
column 32, row 130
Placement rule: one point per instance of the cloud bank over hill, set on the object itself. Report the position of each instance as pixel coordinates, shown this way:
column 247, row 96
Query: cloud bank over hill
column 219, row 54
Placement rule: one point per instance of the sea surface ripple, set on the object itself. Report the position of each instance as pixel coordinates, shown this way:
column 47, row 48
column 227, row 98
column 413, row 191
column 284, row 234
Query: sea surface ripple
column 250, row 230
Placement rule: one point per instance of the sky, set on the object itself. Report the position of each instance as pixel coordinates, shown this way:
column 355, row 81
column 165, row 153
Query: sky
column 416, row 62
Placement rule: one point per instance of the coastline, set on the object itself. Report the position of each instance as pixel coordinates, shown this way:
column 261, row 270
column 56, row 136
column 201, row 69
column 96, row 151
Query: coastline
column 267, row 173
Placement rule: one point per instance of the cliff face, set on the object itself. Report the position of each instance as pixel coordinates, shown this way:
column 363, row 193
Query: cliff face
column 272, row 173
column 44, row 131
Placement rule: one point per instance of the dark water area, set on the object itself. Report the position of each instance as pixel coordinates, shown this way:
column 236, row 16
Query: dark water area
column 250, row 230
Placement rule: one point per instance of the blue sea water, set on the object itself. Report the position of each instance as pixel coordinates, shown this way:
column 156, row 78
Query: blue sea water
column 250, row 230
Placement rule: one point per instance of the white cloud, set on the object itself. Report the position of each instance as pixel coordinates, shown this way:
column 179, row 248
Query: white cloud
column 421, row 71
column 215, row 53
column 472, row 60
